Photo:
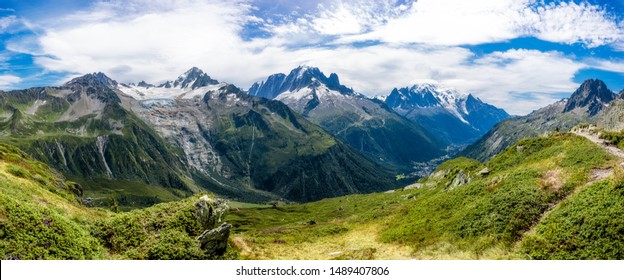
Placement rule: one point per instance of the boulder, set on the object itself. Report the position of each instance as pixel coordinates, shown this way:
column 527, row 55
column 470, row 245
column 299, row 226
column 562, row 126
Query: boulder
column 211, row 211
column 460, row 179
column 215, row 241
column 484, row 172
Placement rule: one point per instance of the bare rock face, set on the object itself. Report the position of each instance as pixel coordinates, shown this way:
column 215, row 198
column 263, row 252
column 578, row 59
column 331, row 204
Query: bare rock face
column 214, row 241
column 210, row 212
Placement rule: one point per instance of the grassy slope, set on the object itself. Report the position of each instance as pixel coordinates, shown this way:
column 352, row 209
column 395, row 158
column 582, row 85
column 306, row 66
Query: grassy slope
column 541, row 199
column 41, row 218
column 494, row 216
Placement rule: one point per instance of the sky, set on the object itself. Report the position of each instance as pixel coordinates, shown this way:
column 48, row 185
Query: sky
column 519, row 55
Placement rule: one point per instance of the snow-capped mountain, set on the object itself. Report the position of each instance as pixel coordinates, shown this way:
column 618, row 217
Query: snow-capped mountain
column 193, row 83
column 367, row 125
column 248, row 146
column 457, row 117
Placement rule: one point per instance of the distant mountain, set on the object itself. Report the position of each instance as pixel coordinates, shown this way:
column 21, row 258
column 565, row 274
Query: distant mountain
column 248, row 143
column 81, row 129
column 367, row 125
column 141, row 144
column 452, row 116
column 585, row 105
column 591, row 98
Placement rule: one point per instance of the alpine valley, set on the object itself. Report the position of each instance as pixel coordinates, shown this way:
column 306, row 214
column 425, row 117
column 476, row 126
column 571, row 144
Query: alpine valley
column 301, row 166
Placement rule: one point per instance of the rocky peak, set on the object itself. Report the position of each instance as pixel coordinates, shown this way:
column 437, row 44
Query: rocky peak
column 298, row 78
column 593, row 95
column 97, row 85
column 93, row 79
column 145, row 85
column 424, row 95
column 193, row 78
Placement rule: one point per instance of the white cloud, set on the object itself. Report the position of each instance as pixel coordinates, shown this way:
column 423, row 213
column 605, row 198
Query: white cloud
column 7, row 81
column 156, row 42
column 460, row 22
column 8, row 24
column 148, row 45
column 451, row 22
column 351, row 17
column 575, row 23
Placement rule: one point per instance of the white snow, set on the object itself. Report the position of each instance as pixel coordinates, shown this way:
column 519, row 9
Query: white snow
column 142, row 93
column 449, row 98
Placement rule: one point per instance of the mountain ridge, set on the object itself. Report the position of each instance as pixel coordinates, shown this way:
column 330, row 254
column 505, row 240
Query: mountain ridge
column 458, row 118
column 367, row 125
column 585, row 105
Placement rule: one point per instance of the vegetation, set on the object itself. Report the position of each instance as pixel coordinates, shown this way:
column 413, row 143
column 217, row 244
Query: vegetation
column 553, row 197
column 614, row 137
column 41, row 217
column 463, row 210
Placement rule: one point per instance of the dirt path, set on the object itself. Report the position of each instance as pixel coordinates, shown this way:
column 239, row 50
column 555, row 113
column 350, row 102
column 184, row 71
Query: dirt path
column 612, row 149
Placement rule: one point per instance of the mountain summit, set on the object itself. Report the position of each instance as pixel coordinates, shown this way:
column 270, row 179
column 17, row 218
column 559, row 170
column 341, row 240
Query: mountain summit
column 365, row 124
column 587, row 104
column 456, row 117
column 592, row 95
column 299, row 78
column 192, row 79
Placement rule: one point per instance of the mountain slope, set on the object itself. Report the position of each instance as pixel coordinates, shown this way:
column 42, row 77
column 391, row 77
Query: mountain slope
column 41, row 217
column 82, row 129
column 553, row 197
column 454, row 117
column 586, row 102
column 251, row 145
column 366, row 125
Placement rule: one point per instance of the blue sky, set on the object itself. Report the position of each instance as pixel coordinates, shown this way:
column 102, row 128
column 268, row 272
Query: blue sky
column 516, row 54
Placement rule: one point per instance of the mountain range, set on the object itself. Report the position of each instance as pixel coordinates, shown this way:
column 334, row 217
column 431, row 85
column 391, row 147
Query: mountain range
column 367, row 125
column 144, row 143
column 591, row 103
column 454, row 117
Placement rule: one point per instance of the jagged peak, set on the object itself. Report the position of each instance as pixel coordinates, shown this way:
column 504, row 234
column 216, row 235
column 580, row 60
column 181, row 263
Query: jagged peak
column 592, row 94
column 192, row 78
column 93, row 79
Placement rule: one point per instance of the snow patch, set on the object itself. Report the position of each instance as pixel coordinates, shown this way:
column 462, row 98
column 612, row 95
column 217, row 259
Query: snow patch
column 147, row 93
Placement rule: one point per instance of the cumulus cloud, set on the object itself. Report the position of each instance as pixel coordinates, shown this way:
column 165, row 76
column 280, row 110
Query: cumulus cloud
column 156, row 40
column 460, row 22
column 7, row 81
column 571, row 23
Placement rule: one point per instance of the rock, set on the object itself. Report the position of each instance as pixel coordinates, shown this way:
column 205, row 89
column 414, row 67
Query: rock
column 460, row 179
column 483, row 172
column 519, row 148
column 439, row 174
column 211, row 211
column 413, row 186
column 390, row 191
column 215, row 241
column 312, row 222
column 408, row 196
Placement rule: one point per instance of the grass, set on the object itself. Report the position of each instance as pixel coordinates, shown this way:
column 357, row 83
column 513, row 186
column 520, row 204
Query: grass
column 590, row 225
column 539, row 200
column 486, row 217
column 41, row 217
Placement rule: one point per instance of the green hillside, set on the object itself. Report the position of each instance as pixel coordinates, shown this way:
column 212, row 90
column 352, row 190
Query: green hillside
column 514, row 209
column 41, row 217
column 555, row 197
